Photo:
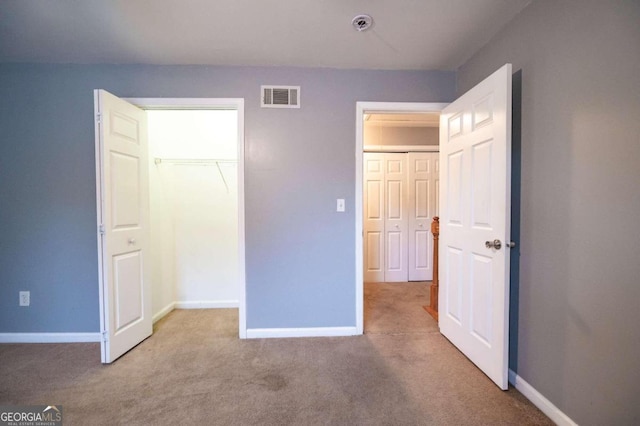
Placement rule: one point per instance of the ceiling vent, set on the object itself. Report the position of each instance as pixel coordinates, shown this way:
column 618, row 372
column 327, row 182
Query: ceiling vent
column 280, row 96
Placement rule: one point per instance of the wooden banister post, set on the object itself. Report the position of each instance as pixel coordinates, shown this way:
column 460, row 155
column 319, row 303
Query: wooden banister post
column 433, row 303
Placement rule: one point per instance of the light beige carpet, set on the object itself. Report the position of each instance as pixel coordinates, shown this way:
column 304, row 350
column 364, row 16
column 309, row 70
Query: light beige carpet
column 194, row 370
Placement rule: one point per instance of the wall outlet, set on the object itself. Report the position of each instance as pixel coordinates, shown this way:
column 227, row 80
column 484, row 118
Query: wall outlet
column 25, row 298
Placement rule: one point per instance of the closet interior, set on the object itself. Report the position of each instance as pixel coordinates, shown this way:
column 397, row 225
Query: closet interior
column 193, row 208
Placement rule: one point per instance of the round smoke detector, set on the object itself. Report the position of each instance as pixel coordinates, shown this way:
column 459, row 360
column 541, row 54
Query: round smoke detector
column 362, row 22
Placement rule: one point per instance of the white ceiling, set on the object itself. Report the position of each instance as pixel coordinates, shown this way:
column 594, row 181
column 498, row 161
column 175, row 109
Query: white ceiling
column 407, row 34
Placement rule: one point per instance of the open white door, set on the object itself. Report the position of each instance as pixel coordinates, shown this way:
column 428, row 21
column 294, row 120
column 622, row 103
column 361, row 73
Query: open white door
column 475, row 202
column 123, row 218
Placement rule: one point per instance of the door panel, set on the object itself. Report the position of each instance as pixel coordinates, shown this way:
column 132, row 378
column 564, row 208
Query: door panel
column 123, row 219
column 454, row 289
column 396, row 218
column 125, row 187
column 374, row 238
column 454, row 188
column 422, row 208
column 475, row 153
column 481, row 296
column 126, row 276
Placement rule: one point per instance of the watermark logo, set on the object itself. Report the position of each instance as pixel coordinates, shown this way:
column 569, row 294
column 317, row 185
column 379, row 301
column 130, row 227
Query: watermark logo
column 31, row 415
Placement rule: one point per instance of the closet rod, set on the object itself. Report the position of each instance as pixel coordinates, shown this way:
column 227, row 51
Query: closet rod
column 203, row 161
column 194, row 160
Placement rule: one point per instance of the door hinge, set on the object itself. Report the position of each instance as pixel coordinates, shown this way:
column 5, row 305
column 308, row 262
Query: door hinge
column 101, row 229
column 98, row 118
column 105, row 336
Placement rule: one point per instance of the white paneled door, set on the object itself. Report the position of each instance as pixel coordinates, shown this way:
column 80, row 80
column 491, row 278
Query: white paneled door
column 396, row 218
column 374, row 218
column 475, row 203
column 399, row 204
column 123, row 219
column 422, row 201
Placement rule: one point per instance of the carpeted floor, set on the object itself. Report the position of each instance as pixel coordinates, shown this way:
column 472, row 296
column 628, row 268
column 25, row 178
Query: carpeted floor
column 194, row 370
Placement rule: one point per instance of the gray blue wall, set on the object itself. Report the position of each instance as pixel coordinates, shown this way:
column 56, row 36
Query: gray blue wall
column 300, row 252
column 578, row 340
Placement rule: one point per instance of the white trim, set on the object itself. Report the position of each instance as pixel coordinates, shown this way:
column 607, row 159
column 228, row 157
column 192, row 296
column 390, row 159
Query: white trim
column 187, row 103
column 49, row 337
column 265, row 333
column 218, row 103
column 546, row 406
column 242, row 291
column 401, row 148
column 102, row 300
column 361, row 108
column 206, row 304
column 163, row 312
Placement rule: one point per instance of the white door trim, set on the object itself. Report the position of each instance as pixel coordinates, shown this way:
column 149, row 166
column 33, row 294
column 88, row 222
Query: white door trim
column 217, row 103
column 401, row 148
column 361, row 108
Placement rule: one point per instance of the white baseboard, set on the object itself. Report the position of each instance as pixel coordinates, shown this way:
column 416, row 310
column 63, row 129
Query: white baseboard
column 163, row 312
column 49, row 337
column 540, row 401
column 207, row 304
column 262, row 333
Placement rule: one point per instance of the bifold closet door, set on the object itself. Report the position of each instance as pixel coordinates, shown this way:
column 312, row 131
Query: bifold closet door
column 423, row 198
column 373, row 217
column 400, row 201
column 385, row 217
column 396, row 224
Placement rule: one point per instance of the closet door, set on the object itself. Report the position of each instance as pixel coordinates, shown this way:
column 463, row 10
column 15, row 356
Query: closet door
column 423, row 184
column 396, row 218
column 374, row 207
column 123, row 225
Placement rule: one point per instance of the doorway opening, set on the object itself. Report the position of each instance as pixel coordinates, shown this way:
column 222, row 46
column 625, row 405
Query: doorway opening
column 193, row 188
column 191, row 139
column 396, row 198
column 123, row 196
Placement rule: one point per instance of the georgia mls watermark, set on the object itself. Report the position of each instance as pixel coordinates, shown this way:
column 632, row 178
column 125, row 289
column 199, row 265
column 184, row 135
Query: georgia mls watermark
column 31, row 415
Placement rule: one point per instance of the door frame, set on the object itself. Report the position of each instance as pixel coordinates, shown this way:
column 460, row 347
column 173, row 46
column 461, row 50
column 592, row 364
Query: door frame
column 236, row 104
column 361, row 109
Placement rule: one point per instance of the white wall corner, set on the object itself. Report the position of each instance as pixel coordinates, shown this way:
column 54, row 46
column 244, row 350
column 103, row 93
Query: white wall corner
column 49, row 337
column 546, row 406
column 266, row 333
column 163, row 312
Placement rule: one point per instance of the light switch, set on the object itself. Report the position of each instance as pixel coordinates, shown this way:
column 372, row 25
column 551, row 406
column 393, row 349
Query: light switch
column 340, row 205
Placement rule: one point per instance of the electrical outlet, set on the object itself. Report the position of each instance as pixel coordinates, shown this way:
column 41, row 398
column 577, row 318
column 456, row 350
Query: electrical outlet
column 25, row 298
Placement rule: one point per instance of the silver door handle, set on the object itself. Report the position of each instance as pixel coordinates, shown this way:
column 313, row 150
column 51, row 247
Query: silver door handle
column 132, row 241
column 496, row 244
column 512, row 244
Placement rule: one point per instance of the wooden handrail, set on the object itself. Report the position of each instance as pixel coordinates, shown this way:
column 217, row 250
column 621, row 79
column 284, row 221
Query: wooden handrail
column 433, row 301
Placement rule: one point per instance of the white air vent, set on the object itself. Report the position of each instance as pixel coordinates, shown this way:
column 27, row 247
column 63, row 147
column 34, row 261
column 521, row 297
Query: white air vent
column 280, row 96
